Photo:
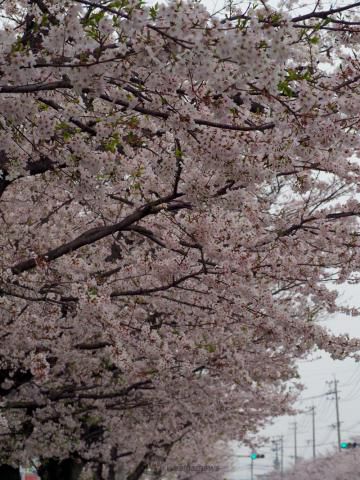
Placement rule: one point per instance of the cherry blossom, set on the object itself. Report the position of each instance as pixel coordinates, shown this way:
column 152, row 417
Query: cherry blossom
column 178, row 203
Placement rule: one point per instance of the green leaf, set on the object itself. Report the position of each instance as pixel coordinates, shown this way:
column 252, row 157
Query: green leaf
column 138, row 172
column 300, row 74
column 66, row 130
column 92, row 292
column 284, row 89
column 292, row 74
column 314, row 40
column 178, row 153
column 112, row 143
column 209, row 347
column 95, row 18
column 43, row 107
column 44, row 20
column 133, row 139
column 154, row 11
column 117, row 4
column 133, row 122
column 275, row 18
column 263, row 44
column 18, row 46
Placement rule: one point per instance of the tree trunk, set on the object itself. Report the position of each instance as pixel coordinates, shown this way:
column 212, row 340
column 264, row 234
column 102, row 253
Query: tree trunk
column 68, row 469
column 9, row 473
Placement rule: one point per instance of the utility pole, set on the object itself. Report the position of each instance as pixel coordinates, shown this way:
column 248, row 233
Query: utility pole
column 312, row 409
column 338, row 423
column 281, row 456
column 337, row 413
column 295, row 442
column 279, row 464
column 275, row 449
column 252, row 469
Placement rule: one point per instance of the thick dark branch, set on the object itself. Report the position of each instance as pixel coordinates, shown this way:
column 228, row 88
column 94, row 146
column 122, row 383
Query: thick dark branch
column 120, row 199
column 321, row 14
column 22, row 405
column 150, row 235
column 136, row 108
column 92, row 346
column 183, row 43
column 33, row 88
column 347, row 83
column 93, row 235
column 329, row 216
column 325, row 13
column 138, row 472
column 178, row 156
column 162, row 288
column 102, row 7
column 81, row 125
column 188, row 304
column 4, row 183
column 74, row 393
column 343, row 22
column 226, row 126
column 28, row 298
column 240, row 16
column 342, row 215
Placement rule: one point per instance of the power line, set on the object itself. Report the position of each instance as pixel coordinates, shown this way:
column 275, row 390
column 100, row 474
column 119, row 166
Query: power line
column 353, row 375
column 313, row 397
column 355, row 383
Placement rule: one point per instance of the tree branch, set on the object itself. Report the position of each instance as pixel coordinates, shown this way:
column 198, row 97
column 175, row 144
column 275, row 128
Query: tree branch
column 162, row 288
column 324, row 14
column 33, row 88
column 93, row 235
column 154, row 113
column 329, row 216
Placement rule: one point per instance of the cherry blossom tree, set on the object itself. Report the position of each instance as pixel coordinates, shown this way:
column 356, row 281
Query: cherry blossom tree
column 178, row 203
